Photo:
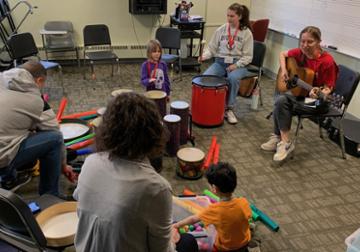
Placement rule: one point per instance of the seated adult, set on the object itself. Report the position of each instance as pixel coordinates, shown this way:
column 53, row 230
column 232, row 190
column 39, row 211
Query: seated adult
column 29, row 130
column 309, row 55
column 232, row 46
column 123, row 203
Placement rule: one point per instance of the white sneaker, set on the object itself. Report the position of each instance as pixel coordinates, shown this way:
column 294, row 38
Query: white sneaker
column 283, row 150
column 230, row 116
column 270, row 145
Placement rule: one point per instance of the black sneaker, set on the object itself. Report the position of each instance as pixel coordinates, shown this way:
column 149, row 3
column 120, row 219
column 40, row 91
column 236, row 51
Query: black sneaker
column 22, row 178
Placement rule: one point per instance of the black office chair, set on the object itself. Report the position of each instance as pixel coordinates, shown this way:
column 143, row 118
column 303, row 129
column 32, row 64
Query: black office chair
column 345, row 87
column 22, row 47
column 97, row 37
column 18, row 226
column 170, row 38
column 255, row 67
column 58, row 36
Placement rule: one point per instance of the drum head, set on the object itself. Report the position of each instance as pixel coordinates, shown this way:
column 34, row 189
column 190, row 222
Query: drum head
column 73, row 128
column 172, row 118
column 211, row 81
column 179, row 105
column 155, row 94
column 190, row 154
column 120, row 91
column 101, row 111
column 59, row 223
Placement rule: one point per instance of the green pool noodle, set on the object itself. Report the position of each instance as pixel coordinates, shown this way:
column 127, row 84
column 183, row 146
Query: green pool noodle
column 265, row 219
column 78, row 140
column 88, row 117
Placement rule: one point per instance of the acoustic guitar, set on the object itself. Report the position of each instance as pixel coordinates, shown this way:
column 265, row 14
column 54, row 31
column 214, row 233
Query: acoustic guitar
column 306, row 75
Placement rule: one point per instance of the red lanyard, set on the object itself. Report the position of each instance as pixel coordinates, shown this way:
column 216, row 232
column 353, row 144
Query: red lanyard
column 149, row 70
column 231, row 38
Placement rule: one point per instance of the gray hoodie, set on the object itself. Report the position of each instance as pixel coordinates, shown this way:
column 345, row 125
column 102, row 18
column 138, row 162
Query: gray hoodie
column 22, row 110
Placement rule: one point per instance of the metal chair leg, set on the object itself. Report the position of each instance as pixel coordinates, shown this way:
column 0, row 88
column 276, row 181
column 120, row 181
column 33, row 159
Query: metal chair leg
column 342, row 142
column 320, row 131
column 93, row 76
column 297, row 129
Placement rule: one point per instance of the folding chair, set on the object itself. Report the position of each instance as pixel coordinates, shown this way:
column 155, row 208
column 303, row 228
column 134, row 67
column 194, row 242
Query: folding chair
column 170, row 38
column 58, row 36
column 259, row 29
column 22, row 46
column 97, row 37
column 345, row 87
column 18, row 226
column 255, row 67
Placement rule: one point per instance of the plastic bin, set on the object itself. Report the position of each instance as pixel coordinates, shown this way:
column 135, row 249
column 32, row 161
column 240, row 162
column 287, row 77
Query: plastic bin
column 186, row 206
column 353, row 242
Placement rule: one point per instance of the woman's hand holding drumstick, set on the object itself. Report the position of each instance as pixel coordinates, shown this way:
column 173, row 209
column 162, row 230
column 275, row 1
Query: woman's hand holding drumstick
column 202, row 46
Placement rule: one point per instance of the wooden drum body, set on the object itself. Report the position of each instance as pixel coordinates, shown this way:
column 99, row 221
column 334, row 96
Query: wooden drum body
column 190, row 162
column 181, row 108
column 159, row 97
column 172, row 122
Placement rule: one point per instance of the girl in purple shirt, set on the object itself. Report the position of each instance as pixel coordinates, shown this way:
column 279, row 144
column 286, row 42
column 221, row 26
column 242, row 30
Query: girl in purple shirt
column 154, row 73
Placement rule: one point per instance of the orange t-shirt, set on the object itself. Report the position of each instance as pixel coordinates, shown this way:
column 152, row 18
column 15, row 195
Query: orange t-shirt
column 231, row 221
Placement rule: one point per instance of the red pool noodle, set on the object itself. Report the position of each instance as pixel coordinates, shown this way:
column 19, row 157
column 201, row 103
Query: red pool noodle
column 210, row 153
column 61, row 108
column 77, row 115
column 216, row 153
column 81, row 144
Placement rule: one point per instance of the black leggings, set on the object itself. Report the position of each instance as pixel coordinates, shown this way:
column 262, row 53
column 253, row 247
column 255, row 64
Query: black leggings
column 187, row 243
column 287, row 105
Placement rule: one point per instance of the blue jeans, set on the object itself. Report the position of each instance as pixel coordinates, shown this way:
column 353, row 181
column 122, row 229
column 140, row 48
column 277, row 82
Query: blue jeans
column 219, row 68
column 47, row 147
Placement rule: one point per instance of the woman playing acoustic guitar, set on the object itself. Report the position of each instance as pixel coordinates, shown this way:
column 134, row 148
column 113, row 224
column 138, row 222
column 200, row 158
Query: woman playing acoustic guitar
column 311, row 56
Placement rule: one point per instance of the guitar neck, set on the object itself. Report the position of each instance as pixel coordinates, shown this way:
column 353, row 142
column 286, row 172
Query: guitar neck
column 303, row 84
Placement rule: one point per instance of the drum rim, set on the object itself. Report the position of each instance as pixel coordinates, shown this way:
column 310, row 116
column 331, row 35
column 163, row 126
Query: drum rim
column 178, row 118
column 156, row 91
column 182, row 107
column 125, row 90
column 210, row 75
column 77, row 121
column 189, row 161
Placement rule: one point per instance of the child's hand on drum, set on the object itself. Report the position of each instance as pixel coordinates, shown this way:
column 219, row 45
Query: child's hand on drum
column 69, row 173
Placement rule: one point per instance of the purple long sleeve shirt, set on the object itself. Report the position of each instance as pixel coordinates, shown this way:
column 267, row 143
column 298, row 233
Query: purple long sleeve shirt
column 162, row 79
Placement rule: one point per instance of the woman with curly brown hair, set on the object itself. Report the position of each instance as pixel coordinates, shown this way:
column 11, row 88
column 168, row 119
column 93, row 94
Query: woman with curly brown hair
column 123, row 203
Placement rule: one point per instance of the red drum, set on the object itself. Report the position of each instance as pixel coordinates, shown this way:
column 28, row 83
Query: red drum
column 159, row 97
column 172, row 122
column 208, row 100
column 181, row 108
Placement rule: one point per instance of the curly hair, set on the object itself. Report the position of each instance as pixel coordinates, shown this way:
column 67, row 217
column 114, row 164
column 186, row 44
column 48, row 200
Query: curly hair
column 131, row 128
column 243, row 12
column 223, row 175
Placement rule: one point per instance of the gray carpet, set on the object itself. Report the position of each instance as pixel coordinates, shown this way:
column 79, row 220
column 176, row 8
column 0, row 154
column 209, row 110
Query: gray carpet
column 314, row 196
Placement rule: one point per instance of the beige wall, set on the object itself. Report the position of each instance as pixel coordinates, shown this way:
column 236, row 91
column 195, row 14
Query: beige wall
column 125, row 29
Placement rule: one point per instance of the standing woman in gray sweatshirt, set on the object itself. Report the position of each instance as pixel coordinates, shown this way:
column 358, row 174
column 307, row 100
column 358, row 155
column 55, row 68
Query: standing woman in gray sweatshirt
column 232, row 47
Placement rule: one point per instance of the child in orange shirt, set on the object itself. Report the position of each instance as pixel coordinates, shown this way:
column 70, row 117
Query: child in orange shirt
column 230, row 216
